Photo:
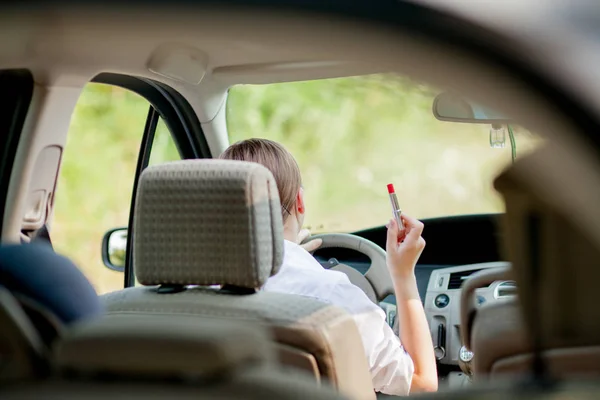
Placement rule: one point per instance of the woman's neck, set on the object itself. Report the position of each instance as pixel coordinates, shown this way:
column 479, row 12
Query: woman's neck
column 291, row 229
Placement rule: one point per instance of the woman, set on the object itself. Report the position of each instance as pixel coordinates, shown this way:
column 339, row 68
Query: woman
column 398, row 365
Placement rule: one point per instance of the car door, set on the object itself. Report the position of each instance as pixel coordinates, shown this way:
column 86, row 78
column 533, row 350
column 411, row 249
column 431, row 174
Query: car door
column 119, row 125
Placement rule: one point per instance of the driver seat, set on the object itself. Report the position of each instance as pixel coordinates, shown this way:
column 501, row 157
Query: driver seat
column 207, row 234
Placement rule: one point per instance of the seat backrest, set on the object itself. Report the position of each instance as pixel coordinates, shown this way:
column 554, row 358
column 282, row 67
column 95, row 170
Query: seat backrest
column 22, row 352
column 175, row 346
column 552, row 238
column 170, row 357
column 200, row 223
column 41, row 292
column 144, row 357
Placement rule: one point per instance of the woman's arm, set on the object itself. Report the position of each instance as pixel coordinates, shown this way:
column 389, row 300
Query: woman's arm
column 414, row 330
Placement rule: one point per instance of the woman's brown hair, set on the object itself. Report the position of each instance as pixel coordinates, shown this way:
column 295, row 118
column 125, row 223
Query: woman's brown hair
column 276, row 159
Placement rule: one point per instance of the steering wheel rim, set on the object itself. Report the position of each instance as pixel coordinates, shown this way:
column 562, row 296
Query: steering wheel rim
column 377, row 274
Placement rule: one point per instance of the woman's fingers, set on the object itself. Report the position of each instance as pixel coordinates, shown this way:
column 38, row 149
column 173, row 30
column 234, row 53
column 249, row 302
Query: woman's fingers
column 414, row 229
column 392, row 236
column 312, row 245
column 302, row 235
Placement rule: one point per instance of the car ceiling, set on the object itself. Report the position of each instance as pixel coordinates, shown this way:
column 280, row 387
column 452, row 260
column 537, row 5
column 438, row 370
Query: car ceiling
column 68, row 47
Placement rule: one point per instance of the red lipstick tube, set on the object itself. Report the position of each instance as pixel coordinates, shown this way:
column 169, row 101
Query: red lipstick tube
column 396, row 211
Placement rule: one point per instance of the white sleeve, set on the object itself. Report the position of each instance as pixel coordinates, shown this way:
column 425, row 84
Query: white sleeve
column 391, row 366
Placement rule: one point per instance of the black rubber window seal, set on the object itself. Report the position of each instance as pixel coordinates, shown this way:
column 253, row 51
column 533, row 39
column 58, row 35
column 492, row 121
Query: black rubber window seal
column 180, row 119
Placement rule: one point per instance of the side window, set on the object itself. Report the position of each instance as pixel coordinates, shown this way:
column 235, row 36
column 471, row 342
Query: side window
column 163, row 147
column 95, row 185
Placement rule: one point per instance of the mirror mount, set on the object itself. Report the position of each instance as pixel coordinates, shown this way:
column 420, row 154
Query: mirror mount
column 498, row 138
column 513, row 143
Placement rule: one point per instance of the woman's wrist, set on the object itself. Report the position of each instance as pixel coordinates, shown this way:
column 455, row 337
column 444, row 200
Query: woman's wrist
column 403, row 275
column 405, row 285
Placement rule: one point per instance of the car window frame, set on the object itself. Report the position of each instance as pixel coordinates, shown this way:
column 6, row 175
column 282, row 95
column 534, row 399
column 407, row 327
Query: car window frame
column 183, row 124
column 14, row 109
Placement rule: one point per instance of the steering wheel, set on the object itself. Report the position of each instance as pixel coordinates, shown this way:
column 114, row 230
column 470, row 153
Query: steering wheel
column 376, row 283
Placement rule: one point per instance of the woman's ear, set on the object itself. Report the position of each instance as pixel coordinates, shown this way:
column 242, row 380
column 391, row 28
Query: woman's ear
column 300, row 202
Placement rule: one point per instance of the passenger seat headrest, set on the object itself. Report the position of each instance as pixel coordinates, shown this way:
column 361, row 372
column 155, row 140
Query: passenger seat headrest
column 207, row 222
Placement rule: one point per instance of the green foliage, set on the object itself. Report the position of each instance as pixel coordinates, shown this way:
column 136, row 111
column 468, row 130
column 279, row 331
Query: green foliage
column 96, row 180
column 163, row 147
column 352, row 136
column 117, row 257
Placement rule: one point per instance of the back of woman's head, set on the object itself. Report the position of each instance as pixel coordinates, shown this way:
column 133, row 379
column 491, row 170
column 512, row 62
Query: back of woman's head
column 276, row 159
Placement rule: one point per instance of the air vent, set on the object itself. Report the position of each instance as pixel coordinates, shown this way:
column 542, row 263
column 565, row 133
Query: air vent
column 505, row 289
column 458, row 278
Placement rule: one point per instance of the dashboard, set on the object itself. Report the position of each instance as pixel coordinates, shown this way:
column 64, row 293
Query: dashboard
column 440, row 290
column 457, row 247
column 442, row 305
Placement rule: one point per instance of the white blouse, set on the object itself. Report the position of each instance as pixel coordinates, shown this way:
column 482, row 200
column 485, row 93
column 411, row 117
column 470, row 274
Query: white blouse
column 391, row 366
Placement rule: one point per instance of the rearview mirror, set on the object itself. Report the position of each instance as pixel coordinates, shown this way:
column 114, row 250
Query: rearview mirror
column 454, row 108
column 114, row 247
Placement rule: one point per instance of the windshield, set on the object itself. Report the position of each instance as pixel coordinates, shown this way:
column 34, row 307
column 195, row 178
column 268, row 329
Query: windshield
column 353, row 136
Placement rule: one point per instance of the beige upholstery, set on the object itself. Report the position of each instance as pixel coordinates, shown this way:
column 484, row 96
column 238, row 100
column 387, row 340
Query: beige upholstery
column 468, row 308
column 207, row 222
column 497, row 333
column 145, row 357
column 503, row 349
column 22, row 350
column 568, row 243
column 247, row 384
column 142, row 345
column 204, row 222
column 502, row 390
column 554, row 254
column 570, row 362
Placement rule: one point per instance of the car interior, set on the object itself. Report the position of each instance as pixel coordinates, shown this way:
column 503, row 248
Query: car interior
column 509, row 296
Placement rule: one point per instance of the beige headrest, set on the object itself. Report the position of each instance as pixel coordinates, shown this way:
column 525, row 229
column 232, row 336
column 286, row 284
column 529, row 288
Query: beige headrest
column 207, row 222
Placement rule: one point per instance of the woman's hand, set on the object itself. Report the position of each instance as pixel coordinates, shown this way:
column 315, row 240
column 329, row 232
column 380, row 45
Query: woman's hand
column 402, row 255
column 311, row 245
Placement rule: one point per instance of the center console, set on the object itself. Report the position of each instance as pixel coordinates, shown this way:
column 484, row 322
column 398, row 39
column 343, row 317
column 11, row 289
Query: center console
column 442, row 307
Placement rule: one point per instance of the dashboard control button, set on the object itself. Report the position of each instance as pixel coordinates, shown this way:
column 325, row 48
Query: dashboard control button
column 391, row 318
column 440, row 348
column 439, row 352
column 480, row 300
column 465, row 355
column 332, row 262
column 441, row 301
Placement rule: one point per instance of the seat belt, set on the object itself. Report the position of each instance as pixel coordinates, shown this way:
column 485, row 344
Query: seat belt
column 42, row 235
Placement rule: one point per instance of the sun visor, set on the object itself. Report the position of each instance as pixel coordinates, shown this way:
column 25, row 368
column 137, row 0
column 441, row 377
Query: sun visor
column 179, row 62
